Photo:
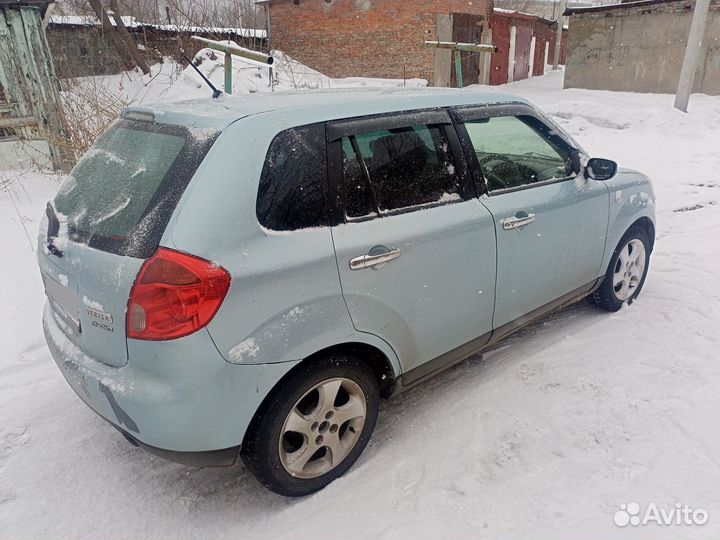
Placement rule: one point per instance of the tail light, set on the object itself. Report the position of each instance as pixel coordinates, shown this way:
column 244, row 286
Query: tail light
column 174, row 295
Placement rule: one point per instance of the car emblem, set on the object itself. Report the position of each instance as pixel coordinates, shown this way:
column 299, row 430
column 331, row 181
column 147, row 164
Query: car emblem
column 99, row 315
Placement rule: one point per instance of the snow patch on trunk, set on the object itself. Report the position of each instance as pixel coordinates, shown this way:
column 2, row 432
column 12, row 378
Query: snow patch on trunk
column 243, row 351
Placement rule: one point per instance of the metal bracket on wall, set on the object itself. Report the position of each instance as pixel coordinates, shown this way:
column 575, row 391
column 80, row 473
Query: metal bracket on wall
column 460, row 48
column 231, row 49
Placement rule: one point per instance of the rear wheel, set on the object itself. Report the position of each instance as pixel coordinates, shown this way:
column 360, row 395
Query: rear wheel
column 626, row 272
column 314, row 427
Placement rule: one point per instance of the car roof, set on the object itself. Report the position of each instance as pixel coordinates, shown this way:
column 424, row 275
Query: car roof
column 310, row 106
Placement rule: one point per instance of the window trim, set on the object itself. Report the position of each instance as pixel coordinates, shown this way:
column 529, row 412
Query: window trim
column 469, row 113
column 349, row 127
column 368, row 182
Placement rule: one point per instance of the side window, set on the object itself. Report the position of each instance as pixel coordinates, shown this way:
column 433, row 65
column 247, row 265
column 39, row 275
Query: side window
column 513, row 151
column 293, row 191
column 406, row 167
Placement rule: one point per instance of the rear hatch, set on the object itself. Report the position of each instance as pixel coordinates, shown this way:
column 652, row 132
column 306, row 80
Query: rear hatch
column 107, row 218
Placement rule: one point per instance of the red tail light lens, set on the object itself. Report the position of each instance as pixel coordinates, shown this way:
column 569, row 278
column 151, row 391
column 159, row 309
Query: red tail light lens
column 174, row 295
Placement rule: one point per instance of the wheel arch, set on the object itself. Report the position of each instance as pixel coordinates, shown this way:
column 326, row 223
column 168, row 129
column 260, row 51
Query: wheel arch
column 619, row 227
column 377, row 360
column 646, row 224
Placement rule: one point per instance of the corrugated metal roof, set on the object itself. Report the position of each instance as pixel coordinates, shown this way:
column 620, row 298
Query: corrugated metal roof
column 512, row 13
column 624, row 5
column 132, row 23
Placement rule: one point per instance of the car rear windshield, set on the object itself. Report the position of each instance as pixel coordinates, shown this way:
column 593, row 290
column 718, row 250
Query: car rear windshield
column 120, row 196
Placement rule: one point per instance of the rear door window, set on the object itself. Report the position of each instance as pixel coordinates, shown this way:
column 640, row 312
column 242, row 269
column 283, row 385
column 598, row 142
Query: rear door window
column 396, row 169
column 120, row 196
column 293, row 191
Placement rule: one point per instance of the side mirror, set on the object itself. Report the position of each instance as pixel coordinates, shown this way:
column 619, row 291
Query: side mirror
column 600, row 169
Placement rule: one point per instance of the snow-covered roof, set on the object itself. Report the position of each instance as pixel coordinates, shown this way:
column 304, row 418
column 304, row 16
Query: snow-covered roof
column 133, row 23
column 315, row 105
column 86, row 20
column 622, row 5
column 244, row 32
column 502, row 10
column 520, row 13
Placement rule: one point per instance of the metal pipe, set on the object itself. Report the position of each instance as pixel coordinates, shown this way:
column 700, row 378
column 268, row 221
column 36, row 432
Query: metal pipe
column 458, row 68
column 228, row 73
column 231, row 48
column 465, row 47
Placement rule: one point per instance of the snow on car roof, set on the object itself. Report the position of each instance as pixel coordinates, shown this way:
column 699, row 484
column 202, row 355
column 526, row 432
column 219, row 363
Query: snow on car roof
column 318, row 105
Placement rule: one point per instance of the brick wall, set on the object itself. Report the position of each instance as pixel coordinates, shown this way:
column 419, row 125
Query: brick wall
column 370, row 38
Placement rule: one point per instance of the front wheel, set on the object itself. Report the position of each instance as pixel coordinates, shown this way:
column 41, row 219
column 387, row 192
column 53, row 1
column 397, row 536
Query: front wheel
column 626, row 272
column 314, row 427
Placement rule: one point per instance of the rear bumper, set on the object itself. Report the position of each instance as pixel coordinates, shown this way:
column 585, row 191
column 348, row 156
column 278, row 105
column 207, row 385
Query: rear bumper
column 178, row 399
column 211, row 458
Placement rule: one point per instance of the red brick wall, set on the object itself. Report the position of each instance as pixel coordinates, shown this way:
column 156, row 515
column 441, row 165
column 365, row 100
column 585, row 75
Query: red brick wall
column 371, row 38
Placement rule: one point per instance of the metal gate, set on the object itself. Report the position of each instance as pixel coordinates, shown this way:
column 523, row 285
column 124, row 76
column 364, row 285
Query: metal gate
column 467, row 28
column 523, row 38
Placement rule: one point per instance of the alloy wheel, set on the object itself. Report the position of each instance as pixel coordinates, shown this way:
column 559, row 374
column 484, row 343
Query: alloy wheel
column 322, row 428
column 629, row 269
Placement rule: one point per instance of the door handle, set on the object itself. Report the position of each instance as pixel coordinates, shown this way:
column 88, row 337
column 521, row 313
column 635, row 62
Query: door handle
column 519, row 220
column 374, row 260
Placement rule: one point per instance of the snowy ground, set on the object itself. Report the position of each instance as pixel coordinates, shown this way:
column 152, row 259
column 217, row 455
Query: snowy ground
column 544, row 437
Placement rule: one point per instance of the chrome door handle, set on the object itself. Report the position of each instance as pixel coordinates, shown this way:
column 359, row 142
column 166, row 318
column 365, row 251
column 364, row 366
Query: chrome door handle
column 374, row 261
column 518, row 221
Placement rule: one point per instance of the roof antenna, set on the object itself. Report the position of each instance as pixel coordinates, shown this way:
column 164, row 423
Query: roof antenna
column 215, row 92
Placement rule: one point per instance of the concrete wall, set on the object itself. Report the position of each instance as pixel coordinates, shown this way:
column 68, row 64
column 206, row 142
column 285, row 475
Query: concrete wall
column 371, row 38
column 640, row 48
column 443, row 65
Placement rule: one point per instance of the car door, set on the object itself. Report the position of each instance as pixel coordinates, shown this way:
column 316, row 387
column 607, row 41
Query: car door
column 416, row 249
column 550, row 221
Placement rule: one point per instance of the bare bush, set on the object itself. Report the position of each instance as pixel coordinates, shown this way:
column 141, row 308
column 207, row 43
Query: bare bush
column 90, row 105
column 89, row 108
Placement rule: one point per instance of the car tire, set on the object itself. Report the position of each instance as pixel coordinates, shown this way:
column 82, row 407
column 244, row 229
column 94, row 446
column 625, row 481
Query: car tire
column 303, row 438
column 626, row 272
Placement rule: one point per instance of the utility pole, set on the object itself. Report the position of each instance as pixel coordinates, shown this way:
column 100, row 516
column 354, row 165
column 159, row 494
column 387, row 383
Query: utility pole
column 558, row 38
column 692, row 54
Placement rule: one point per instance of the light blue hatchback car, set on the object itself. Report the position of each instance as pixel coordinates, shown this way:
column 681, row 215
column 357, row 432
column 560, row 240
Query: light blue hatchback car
column 247, row 277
